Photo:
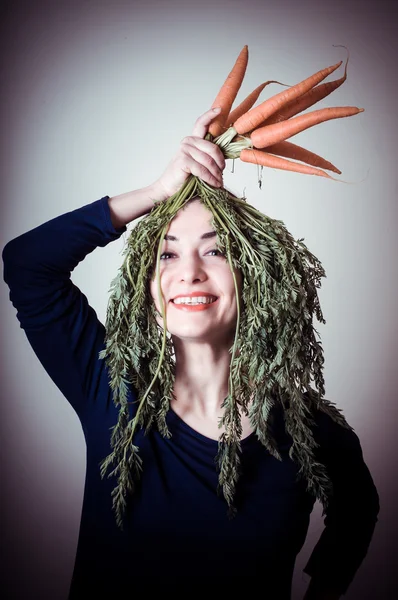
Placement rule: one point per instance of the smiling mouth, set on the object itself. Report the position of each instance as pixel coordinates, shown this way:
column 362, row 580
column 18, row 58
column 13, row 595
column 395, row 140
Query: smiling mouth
column 195, row 306
column 195, row 301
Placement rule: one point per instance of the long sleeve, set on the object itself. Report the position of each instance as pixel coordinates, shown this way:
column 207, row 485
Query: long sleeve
column 61, row 326
column 353, row 512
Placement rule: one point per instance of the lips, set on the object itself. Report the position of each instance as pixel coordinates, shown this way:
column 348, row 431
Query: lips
column 194, row 307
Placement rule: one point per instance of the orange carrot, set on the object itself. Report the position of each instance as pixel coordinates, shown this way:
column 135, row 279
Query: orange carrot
column 247, row 103
column 308, row 99
column 228, row 92
column 289, row 150
column 261, row 158
column 277, row 132
column 257, row 115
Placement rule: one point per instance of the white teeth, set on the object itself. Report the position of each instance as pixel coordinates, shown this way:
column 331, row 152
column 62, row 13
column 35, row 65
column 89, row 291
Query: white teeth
column 193, row 301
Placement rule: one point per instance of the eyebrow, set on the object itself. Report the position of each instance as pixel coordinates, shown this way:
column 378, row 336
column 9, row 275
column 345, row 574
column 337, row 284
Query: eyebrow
column 205, row 236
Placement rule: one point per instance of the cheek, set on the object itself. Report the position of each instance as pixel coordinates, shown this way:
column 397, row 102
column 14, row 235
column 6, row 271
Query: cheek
column 153, row 290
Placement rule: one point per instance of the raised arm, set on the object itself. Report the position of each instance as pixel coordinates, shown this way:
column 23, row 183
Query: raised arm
column 61, row 326
column 59, row 323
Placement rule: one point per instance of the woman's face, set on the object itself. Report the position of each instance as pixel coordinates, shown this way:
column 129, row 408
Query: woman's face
column 196, row 281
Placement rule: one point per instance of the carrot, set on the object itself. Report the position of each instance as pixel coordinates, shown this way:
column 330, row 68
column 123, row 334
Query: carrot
column 257, row 115
column 316, row 94
column 228, row 92
column 259, row 157
column 247, row 103
column 289, row 150
column 277, row 132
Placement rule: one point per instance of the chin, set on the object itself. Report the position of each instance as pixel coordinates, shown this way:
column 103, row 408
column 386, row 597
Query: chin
column 212, row 335
column 183, row 328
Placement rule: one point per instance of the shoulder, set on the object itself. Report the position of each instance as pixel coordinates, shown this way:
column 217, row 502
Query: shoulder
column 328, row 423
column 338, row 445
column 334, row 435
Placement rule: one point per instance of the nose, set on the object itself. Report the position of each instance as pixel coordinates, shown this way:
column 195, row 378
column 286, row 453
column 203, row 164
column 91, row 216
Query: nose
column 192, row 270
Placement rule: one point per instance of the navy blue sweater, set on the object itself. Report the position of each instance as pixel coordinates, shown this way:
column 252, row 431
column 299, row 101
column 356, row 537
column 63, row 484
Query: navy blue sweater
column 177, row 526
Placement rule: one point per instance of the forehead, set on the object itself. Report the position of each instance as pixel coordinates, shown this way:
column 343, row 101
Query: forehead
column 192, row 220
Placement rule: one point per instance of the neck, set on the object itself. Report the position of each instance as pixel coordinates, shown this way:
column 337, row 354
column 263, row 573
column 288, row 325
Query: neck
column 201, row 377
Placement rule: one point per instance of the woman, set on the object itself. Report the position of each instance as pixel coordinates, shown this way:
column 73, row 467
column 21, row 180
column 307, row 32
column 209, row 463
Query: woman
column 175, row 524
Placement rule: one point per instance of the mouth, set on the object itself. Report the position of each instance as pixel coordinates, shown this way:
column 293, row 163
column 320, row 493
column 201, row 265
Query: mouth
column 194, row 301
column 194, row 304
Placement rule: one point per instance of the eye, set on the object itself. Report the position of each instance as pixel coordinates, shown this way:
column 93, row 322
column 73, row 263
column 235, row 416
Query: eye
column 166, row 255
column 217, row 251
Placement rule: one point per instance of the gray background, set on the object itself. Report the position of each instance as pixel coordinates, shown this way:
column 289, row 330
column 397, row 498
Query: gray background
column 95, row 99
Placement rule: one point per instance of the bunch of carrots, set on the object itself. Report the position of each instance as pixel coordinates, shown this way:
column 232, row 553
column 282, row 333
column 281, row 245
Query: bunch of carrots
column 258, row 134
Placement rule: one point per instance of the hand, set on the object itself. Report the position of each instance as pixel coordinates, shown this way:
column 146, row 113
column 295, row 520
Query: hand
column 195, row 156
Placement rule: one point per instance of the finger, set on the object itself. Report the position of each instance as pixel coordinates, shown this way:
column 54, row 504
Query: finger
column 206, row 147
column 205, row 160
column 194, row 167
column 203, row 122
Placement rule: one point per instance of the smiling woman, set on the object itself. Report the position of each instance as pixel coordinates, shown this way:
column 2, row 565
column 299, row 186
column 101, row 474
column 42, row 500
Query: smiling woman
column 196, row 278
column 200, row 299
column 255, row 347
column 202, row 398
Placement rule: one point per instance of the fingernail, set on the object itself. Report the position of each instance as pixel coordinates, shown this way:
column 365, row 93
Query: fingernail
column 216, row 110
